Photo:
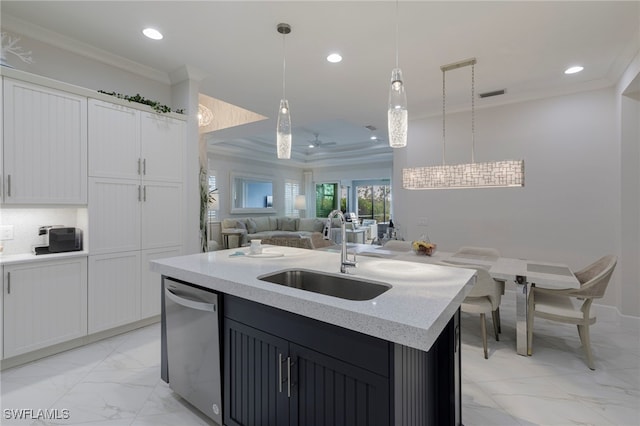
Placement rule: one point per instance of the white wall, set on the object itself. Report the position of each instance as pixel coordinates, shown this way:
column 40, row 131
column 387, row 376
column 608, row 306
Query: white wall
column 68, row 67
column 569, row 209
column 628, row 91
column 224, row 165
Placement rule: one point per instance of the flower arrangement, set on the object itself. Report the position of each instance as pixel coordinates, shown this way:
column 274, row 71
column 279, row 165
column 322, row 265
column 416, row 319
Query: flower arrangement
column 423, row 247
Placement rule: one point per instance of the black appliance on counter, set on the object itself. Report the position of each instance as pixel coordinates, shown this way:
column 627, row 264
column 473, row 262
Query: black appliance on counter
column 62, row 240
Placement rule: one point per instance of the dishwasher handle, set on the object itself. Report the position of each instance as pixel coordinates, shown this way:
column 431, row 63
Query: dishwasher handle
column 208, row 307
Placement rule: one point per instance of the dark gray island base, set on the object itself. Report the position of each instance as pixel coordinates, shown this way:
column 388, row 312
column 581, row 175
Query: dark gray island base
column 280, row 368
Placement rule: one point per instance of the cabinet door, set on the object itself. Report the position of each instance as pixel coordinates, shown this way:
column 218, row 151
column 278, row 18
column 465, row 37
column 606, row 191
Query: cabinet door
column 327, row 391
column 114, row 212
column 161, row 220
column 114, row 141
column 44, row 303
column 162, row 146
column 114, row 290
column 151, row 281
column 255, row 392
column 45, row 145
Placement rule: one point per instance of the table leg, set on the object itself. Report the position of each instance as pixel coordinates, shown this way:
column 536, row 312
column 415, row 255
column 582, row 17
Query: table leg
column 522, row 293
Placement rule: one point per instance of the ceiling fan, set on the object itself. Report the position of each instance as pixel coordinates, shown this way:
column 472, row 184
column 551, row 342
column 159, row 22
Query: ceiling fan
column 316, row 143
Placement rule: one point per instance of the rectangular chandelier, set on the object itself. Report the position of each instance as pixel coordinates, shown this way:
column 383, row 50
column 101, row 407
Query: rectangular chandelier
column 507, row 173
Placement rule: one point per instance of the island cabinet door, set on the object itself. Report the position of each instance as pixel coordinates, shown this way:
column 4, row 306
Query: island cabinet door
column 326, row 391
column 255, row 391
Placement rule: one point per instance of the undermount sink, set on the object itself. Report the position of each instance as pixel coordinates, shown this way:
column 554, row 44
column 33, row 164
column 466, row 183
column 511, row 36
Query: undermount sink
column 344, row 287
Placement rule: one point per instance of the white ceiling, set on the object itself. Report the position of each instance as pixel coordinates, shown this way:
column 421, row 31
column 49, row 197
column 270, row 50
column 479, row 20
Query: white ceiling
column 522, row 47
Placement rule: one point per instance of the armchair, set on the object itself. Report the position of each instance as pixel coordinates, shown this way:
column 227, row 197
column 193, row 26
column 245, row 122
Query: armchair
column 572, row 306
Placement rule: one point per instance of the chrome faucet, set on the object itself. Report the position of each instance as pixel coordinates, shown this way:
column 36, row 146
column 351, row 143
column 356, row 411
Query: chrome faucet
column 344, row 259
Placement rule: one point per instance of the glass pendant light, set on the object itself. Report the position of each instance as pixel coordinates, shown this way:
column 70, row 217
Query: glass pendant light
column 283, row 136
column 397, row 114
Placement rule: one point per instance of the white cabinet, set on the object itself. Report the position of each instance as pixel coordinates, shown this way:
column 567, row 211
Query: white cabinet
column 114, row 290
column 162, row 147
column 135, row 189
column 44, row 303
column 150, row 283
column 126, row 143
column 45, row 145
column 114, row 141
column 135, row 209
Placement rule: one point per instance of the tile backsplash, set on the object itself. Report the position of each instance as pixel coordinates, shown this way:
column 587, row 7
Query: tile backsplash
column 26, row 222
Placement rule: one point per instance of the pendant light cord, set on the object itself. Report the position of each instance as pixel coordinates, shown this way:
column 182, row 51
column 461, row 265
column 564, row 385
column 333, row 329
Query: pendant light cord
column 473, row 117
column 397, row 32
column 284, row 65
column 443, row 118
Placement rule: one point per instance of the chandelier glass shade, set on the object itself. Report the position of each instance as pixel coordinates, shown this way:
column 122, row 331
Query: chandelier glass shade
column 507, row 173
column 205, row 116
column 283, row 132
column 283, row 136
column 397, row 113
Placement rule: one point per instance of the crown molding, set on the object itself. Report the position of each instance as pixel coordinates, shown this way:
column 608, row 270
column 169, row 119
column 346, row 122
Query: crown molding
column 43, row 35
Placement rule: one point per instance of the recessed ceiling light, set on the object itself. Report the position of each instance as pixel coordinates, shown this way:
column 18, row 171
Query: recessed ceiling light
column 334, row 58
column 152, row 33
column 573, row 70
column 374, row 138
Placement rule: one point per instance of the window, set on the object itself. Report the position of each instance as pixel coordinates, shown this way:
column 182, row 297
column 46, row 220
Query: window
column 326, row 198
column 214, row 197
column 291, row 190
column 374, row 200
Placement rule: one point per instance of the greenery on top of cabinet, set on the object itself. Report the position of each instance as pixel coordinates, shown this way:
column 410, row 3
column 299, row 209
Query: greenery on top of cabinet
column 157, row 106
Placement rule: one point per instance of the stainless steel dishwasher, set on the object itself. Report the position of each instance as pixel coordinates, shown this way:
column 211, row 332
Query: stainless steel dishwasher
column 193, row 346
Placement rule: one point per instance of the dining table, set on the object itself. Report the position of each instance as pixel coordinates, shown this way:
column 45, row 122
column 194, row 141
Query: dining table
column 524, row 273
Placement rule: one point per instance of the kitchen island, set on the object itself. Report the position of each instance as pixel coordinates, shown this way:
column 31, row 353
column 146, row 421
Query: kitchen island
column 292, row 356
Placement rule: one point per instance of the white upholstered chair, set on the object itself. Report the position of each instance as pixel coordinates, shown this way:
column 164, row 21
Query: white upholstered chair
column 484, row 298
column 484, row 252
column 572, row 306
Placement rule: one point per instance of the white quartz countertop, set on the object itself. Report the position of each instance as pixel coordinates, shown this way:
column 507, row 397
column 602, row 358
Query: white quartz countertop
column 422, row 300
column 12, row 259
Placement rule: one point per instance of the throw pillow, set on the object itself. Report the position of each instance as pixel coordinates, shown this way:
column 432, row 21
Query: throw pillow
column 240, row 225
column 262, row 224
column 251, row 226
column 286, row 224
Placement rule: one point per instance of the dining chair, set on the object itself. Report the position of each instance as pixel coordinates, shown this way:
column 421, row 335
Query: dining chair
column 572, row 306
column 484, row 298
column 486, row 252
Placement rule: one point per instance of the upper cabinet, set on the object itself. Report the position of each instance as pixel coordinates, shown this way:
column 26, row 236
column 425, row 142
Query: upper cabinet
column 114, row 141
column 130, row 144
column 135, row 185
column 45, row 145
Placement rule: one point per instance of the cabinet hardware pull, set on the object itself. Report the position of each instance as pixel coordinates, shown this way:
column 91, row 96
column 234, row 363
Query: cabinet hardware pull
column 289, row 364
column 8, row 282
column 280, row 372
column 8, row 185
column 139, row 194
column 144, row 166
column 139, row 161
column 144, row 193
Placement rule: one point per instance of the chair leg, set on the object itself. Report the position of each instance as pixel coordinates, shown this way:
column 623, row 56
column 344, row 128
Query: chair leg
column 483, row 329
column 583, row 332
column 530, row 316
column 495, row 316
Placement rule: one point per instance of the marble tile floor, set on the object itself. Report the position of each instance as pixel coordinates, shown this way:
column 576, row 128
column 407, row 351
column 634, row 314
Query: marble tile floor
column 116, row 382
